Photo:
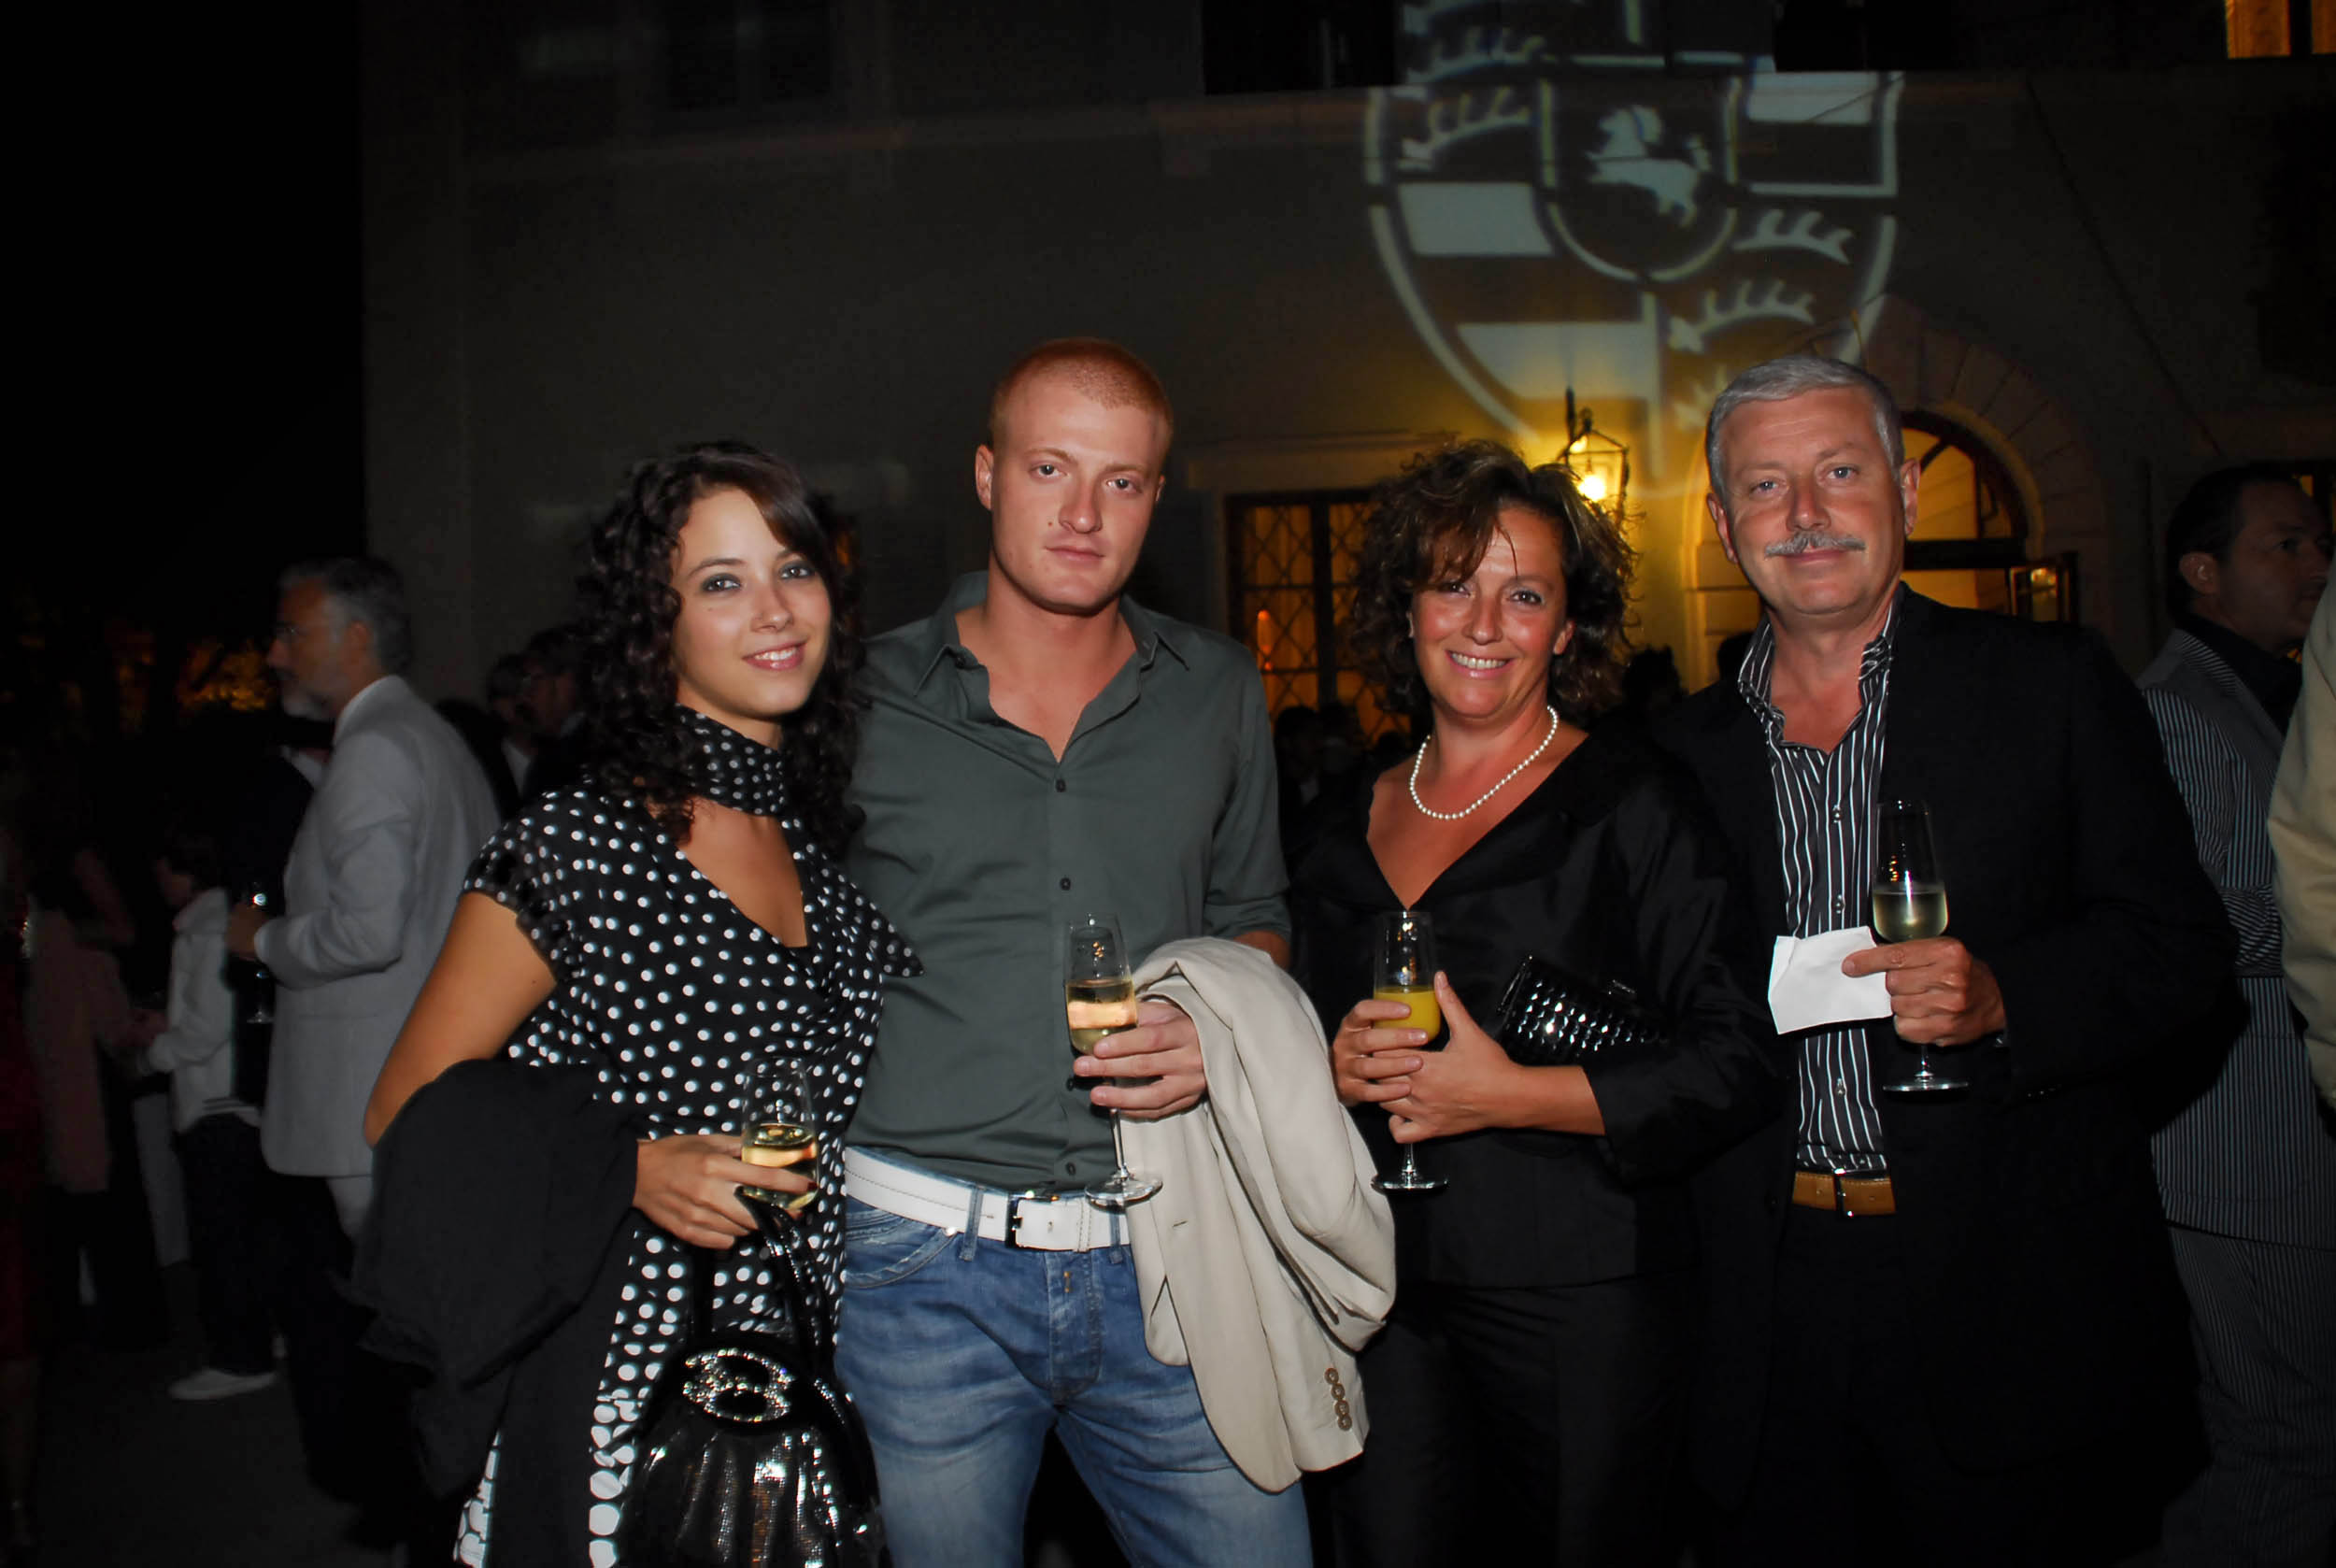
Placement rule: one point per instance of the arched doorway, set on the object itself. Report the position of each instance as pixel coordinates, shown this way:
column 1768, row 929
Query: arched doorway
column 1972, row 543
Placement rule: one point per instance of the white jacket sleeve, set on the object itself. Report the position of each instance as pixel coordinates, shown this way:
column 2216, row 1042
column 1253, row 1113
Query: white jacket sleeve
column 367, row 816
column 202, row 1009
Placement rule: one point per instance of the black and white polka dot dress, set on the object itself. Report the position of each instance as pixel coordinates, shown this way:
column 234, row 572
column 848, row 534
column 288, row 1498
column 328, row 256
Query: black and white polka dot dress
column 676, row 999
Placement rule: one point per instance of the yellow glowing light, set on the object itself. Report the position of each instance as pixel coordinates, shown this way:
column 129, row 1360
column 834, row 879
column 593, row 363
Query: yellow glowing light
column 1593, row 489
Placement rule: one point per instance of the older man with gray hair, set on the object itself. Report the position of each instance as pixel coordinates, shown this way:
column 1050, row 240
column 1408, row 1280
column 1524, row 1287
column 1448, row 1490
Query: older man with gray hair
column 374, row 871
column 1937, row 1320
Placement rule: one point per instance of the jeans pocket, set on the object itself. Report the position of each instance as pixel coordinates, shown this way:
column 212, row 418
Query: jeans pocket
column 881, row 1248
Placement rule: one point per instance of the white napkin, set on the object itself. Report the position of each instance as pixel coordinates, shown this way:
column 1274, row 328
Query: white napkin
column 1807, row 987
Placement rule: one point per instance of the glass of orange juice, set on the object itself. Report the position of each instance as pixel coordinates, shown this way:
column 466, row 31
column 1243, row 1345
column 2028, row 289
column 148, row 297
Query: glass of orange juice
column 1403, row 969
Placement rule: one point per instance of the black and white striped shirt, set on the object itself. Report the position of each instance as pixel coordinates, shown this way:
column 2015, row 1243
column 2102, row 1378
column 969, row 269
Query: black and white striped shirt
column 1825, row 834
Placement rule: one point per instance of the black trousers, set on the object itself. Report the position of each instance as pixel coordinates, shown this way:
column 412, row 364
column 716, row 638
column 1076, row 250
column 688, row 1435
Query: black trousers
column 355, row 1427
column 340, row 1425
column 237, row 1268
column 1850, row 1472
column 1539, row 1426
column 113, row 1232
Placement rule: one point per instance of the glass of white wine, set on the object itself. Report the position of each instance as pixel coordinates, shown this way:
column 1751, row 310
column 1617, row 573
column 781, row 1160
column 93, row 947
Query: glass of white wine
column 1909, row 906
column 1099, row 999
column 782, row 1129
column 1403, row 969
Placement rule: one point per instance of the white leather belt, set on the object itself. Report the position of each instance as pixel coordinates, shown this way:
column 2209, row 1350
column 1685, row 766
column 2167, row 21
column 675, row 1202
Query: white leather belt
column 1039, row 1221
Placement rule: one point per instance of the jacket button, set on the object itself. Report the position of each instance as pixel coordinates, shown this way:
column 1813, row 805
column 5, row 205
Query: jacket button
column 1330, row 1375
column 1346, row 1423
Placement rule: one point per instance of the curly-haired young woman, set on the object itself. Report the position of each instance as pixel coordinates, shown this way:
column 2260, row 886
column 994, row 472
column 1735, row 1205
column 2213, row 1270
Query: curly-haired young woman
column 678, row 925
column 1527, row 1396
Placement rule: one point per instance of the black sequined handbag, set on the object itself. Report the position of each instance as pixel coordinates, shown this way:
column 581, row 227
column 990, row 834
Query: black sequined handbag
column 753, row 1457
column 1549, row 1019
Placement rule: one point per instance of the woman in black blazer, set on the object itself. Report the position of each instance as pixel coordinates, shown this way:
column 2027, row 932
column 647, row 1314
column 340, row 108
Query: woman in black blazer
column 1528, row 1397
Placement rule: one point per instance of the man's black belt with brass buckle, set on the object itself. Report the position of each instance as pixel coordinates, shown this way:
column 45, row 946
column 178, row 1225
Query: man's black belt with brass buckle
column 1845, row 1193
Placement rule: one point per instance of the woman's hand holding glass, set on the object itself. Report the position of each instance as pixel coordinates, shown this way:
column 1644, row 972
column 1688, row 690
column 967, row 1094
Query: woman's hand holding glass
column 1375, row 1052
column 1471, row 1084
column 689, row 1184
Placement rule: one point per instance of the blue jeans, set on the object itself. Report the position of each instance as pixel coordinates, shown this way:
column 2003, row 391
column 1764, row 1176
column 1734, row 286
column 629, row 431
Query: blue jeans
column 961, row 1353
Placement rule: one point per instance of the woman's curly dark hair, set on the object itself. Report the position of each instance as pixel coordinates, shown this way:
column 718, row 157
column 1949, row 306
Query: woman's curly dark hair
column 639, row 749
column 1432, row 524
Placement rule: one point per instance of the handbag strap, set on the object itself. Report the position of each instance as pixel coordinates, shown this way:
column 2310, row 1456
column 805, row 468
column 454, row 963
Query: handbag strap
column 802, row 1310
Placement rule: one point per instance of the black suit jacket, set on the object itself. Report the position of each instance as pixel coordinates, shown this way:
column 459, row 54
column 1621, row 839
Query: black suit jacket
column 2037, row 1260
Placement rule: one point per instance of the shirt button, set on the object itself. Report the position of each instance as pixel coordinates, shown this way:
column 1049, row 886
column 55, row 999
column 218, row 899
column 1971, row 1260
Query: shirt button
column 1066, row 884
column 1840, row 1088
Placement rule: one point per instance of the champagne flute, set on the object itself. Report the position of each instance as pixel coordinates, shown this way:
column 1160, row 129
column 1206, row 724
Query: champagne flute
column 1099, row 999
column 259, row 982
column 1909, row 906
column 782, row 1129
column 1403, row 969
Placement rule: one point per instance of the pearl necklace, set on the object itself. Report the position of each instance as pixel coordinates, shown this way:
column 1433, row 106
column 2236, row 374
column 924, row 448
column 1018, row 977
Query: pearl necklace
column 1426, row 810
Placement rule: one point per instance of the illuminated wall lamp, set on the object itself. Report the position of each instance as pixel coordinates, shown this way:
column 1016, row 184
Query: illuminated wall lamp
column 1601, row 464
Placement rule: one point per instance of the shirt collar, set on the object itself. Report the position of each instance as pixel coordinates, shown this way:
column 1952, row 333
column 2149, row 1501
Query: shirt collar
column 1759, row 662
column 1152, row 633
column 370, row 695
column 2273, row 681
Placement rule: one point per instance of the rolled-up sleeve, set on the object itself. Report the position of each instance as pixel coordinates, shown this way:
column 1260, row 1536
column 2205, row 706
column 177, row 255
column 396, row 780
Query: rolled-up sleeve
column 1247, row 884
column 202, row 1015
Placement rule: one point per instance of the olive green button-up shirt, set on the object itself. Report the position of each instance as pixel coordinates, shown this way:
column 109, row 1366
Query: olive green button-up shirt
column 981, row 845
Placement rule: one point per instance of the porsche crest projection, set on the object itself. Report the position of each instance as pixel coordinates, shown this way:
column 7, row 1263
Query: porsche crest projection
column 1562, row 207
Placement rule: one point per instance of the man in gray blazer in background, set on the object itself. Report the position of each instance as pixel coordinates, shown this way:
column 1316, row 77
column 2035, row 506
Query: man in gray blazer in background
column 2247, row 1169
column 373, row 873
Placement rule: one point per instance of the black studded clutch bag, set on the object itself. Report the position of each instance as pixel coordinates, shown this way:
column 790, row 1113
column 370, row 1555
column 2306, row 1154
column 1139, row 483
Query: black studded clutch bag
column 1550, row 1019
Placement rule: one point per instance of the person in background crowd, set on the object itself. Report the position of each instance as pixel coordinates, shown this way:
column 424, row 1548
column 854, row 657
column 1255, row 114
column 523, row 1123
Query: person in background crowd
column 1038, row 748
column 218, row 1134
column 21, row 1293
column 2247, row 1169
column 550, row 702
column 1651, row 686
column 1345, row 756
column 1730, row 655
column 1298, row 764
column 76, row 1014
column 1940, row 1328
column 506, row 680
column 368, row 891
column 1529, row 1395
column 484, row 736
column 2304, row 842
column 374, row 873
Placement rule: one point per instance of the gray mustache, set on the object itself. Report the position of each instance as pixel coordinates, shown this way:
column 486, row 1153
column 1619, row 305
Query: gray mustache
column 1800, row 544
